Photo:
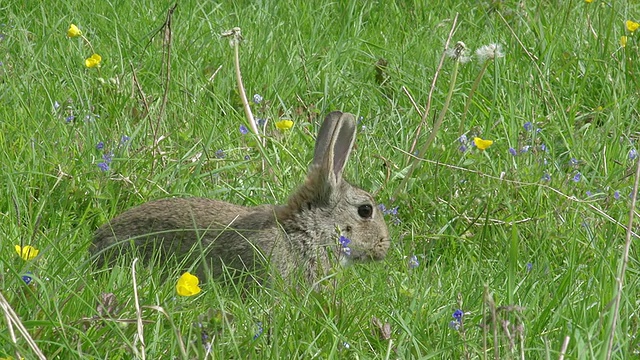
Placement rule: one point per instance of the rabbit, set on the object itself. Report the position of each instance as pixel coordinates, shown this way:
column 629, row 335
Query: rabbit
column 301, row 235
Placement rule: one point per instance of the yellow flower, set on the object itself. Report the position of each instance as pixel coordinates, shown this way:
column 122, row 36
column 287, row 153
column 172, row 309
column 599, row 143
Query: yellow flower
column 28, row 252
column 93, row 61
column 284, row 124
column 632, row 25
column 73, row 31
column 588, row 1
column 188, row 285
column 623, row 41
column 482, row 144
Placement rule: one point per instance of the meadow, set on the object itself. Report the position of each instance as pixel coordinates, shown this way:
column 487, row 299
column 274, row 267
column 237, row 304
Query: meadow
column 508, row 250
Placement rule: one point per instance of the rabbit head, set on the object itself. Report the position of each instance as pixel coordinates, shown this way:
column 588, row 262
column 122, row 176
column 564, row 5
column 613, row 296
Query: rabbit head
column 326, row 205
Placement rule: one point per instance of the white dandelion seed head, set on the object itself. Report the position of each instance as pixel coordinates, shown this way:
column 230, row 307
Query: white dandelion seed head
column 489, row 52
column 459, row 52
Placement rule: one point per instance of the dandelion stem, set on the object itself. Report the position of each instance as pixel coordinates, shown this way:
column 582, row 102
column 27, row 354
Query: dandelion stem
column 434, row 131
column 474, row 87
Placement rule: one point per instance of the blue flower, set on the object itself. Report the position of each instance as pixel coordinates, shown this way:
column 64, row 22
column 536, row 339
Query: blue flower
column 124, row 139
column 529, row 266
column 573, row 162
column 100, row 145
column 463, row 139
column 247, row 157
column 457, row 315
column 27, row 277
column 69, row 118
column 633, row 154
column 528, row 126
column 577, row 177
column 261, row 122
column 344, row 243
column 525, row 149
column 546, row 177
column 220, row 154
column 257, row 99
column 543, row 147
column 259, row 332
column 462, row 148
column 243, row 130
column 103, row 166
column 616, row 195
column 413, row 262
column 513, row 151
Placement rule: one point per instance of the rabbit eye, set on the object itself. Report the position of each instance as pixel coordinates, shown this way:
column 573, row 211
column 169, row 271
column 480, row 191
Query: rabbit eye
column 365, row 211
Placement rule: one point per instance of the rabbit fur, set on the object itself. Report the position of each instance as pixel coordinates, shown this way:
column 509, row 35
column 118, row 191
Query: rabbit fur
column 301, row 235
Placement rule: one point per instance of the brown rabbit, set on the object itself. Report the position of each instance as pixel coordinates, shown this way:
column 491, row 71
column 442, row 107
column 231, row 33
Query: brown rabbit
column 303, row 234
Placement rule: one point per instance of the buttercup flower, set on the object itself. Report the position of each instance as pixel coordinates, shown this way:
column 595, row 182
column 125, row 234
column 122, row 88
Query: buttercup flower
column 482, row 144
column 284, row 124
column 93, row 61
column 588, row 1
column 623, row 41
column 73, row 31
column 188, row 285
column 632, row 25
column 27, row 252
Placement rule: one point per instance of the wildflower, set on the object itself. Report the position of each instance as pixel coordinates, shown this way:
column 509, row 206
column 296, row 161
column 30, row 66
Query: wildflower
column 529, row 266
column 259, row 332
column 528, row 126
column 261, row 122
column 543, row 147
column 27, row 252
column 243, row 130
column 616, row 195
column 589, row 193
column 413, row 262
column 344, row 243
column 93, row 61
column 69, row 118
column 633, row 153
column 525, row 149
column 632, row 25
column 573, row 162
column 482, row 144
column 73, row 31
column 546, row 177
column 462, row 148
column 284, row 124
column 463, row 139
column 457, row 315
column 459, row 52
column 257, row 99
column 513, row 151
column 623, row 41
column 100, row 145
column 220, row 154
column 588, row 1
column 577, row 177
column 188, row 285
column 103, row 166
column 489, row 52
column 27, row 277
column 247, row 157
column 124, row 139
column 56, row 105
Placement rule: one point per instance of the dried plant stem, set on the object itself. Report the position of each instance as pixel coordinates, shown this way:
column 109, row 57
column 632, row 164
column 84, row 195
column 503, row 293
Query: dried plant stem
column 565, row 345
column 13, row 320
column 138, row 310
column 235, row 32
column 623, row 266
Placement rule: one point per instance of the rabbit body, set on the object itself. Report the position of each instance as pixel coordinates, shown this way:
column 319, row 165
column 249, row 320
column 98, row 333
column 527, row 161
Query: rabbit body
column 301, row 235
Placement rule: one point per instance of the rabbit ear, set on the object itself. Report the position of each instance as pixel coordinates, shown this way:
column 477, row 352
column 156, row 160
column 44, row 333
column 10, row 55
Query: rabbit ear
column 333, row 144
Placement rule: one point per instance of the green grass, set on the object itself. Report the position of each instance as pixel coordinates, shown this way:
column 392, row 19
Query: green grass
column 544, row 253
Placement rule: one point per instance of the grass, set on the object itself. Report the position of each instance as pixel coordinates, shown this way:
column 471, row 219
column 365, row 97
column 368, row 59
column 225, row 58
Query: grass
column 515, row 242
